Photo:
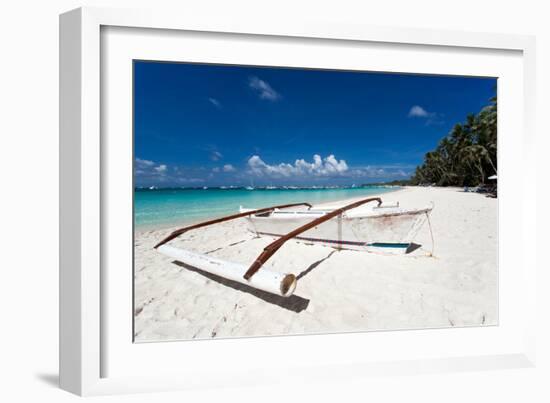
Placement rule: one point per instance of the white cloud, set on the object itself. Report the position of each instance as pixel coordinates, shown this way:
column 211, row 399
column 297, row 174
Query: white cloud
column 322, row 168
column 402, row 173
column 148, row 167
column 161, row 168
column 431, row 118
column 418, row 112
column 150, row 171
column 369, row 172
column 190, row 180
column 380, row 172
column 264, row 90
column 216, row 155
column 225, row 168
column 144, row 163
column 328, row 166
column 215, row 102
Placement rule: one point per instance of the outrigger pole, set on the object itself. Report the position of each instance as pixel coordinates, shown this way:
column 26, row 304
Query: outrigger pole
column 181, row 231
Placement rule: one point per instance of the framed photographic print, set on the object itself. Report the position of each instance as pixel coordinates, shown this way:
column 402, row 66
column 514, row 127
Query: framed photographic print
column 226, row 189
column 334, row 178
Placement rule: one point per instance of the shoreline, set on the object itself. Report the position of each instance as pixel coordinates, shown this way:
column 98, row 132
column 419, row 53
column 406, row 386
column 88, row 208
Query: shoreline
column 147, row 228
column 338, row 291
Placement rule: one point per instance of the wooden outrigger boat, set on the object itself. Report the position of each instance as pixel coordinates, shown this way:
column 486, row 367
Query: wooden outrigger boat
column 385, row 228
column 378, row 227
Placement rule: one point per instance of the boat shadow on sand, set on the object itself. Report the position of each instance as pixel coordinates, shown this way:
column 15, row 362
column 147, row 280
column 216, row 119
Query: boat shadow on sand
column 293, row 303
column 412, row 247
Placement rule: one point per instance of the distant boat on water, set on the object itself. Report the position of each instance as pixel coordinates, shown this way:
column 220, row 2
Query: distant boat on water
column 249, row 188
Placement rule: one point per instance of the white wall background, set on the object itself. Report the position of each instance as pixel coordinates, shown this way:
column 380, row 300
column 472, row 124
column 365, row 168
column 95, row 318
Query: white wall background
column 29, row 188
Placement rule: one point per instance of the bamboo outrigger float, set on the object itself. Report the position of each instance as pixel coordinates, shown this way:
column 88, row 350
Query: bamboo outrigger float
column 379, row 219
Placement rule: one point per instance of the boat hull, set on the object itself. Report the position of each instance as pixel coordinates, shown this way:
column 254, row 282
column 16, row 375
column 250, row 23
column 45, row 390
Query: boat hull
column 389, row 231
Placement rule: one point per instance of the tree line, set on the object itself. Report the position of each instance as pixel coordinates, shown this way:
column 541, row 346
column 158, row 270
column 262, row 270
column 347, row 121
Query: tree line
column 467, row 156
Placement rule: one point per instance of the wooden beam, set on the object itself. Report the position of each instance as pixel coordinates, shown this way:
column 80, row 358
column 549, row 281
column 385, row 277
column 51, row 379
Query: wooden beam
column 273, row 247
column 181, row 231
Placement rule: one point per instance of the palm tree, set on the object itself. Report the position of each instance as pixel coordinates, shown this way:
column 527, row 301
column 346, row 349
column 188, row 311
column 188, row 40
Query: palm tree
column 474, row 155
column 465, row 155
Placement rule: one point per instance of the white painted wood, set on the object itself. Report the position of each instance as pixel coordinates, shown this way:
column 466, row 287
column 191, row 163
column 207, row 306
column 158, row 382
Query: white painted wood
column 357, row 228
column 265, row 280
column 301, row 28
column 70, row 269
column 80, row 348
column 91, row 243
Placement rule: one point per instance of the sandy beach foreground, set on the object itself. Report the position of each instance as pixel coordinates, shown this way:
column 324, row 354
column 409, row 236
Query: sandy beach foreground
column 338, row 291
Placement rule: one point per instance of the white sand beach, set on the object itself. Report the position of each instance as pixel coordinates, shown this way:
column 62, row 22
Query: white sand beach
column 338, row 291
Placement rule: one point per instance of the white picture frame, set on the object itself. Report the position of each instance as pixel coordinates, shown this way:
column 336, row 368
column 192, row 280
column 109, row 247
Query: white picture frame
column 84, row 306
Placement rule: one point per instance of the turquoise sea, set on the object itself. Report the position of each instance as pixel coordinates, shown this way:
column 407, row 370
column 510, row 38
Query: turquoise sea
column 161, row 208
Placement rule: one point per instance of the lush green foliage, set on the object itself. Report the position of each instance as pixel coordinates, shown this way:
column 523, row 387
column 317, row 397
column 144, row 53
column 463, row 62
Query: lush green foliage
column 467, row 156
column 397, row 182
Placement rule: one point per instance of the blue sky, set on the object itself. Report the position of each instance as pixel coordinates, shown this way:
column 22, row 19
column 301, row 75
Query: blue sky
column 213, row 125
